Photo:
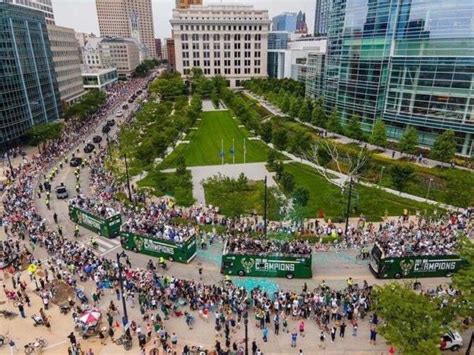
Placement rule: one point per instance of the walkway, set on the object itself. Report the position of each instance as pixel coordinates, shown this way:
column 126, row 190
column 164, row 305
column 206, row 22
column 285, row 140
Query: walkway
column 207, row 105
column 253, row 171
column 385, row 152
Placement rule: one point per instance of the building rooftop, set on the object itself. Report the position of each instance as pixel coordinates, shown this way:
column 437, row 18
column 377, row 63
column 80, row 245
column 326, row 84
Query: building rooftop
column 85, row 69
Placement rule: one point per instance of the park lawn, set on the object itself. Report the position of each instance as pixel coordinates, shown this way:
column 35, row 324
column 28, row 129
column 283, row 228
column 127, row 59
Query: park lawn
column 205, row 145
column 373, row 203
column 161, row 184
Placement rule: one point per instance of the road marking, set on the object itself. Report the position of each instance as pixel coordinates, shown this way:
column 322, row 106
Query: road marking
column 55, row 344
column 110, row 250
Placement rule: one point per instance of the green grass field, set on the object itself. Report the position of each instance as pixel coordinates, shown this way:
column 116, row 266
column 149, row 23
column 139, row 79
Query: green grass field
column 205, row 143
column 373, row 203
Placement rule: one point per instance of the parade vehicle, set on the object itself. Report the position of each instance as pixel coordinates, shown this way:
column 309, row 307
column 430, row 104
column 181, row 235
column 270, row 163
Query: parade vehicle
column 107, row 227
column 97, row 139
column 89, row 147
column 106, row 128
column 76, row 161
column 413, row 266
column 61, row 192
column 271, row 265
column 160, row 247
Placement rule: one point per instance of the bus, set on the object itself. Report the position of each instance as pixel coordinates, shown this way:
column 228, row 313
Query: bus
column 415, row 266
column 107, row 227
column 158, row 247
column 275, row 265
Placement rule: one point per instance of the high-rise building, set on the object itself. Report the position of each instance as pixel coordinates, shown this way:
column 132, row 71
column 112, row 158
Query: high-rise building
column 158, row 47
column 67, row 63
column 284, row 22
column 321, row 17
column 410, row 63
column 164, row 50
column 227, row 40
column 28, row 88
column 301, row 26
column 127, row 19
column 184, row 4
column 45, row 6
column 171, row 51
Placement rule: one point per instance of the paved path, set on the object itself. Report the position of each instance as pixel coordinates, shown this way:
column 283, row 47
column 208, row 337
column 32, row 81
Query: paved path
column 253, row 171
column 385, row 152
column 207, row 105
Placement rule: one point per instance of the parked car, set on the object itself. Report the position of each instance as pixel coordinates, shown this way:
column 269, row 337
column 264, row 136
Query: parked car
column 61, row 192
column 106, row 129
column 88, row 148
column 452, row 340
column 119, row 113
column 76, row 161
column 97, row 139
column 111, row 122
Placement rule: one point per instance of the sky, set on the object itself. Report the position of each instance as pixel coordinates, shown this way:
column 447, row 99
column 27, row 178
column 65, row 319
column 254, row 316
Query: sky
column 81, row 15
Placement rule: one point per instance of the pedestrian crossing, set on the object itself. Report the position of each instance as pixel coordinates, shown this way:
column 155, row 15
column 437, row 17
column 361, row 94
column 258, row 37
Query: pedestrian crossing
column 107, row 245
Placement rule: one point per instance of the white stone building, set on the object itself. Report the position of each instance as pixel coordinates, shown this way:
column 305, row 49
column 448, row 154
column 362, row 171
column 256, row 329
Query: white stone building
column 227, row 40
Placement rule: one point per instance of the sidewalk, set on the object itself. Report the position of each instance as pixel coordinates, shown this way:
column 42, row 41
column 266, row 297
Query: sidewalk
column 385, row 152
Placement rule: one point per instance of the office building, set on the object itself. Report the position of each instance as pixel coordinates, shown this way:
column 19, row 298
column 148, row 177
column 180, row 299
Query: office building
column 184, row 4
column 67, row 63
column 171, row 52
column 112, row 52
column 127, row 19
column 164, row 50
column 28, row 88
column 321, row 17
column 158, row 47
column 410, row 63
column 45, row 6
column 314, row 74
column 227, row 40
column 301, row 26
column 284, row 22
column 98, row 78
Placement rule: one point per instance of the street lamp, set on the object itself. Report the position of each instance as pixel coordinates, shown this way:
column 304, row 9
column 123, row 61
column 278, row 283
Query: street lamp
column 429, row 188
column 265, row 210
column 246, row 324
column 124, row 304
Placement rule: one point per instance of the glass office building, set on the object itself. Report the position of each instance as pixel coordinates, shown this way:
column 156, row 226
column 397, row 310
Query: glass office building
column 410, row 62
column 285, row 22
column 28, row 88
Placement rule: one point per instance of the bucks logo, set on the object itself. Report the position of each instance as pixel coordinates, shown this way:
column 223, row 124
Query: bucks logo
column 248, row 264
column 406, row 266
column 138, row 242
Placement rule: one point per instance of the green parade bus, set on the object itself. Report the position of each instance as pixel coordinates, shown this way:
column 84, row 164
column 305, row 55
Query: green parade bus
column 275, row 265
column 158, row 247
column 385, row 267
column 107, row 227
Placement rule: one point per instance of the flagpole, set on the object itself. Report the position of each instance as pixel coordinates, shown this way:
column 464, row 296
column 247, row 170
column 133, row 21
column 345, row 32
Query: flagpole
column 222, row 151
column 233, row 150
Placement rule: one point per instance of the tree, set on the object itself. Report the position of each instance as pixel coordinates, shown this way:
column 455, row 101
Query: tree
column 444, row 146
column 353, row 128
column 266, row 132
column 181, row 165
column 319, row 116
column 288, row 182
column 305, row 112
column 463, row 280
column 271, row 158
column 379, row 135
column 333, row 124
column 44, row 132
column 294, row 107
column 301, row 196
column 409, row 141
column 285, row 104
column 280, row 138
column 215, row 99
column 401, row 175
column 411, row 321
column 279, row 170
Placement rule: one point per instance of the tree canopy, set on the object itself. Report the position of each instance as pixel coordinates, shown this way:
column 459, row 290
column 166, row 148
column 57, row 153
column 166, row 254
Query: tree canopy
column 353, row 128
column 168, row 86
column 409, row 141
column 44, row 132
column 444, row 146
column 379, row 135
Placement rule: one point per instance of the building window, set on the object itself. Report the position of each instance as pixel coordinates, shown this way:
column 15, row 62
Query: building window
column 257, row 54
column 227, row 37
column 236, row 54
column 256, row 70
column 247, row 62
column 207, row 71
column 226, row 54
column 257, row 45
column 207, row 63
column 217, row 70
column 196, row 54
column 247, row 54
column 227, row 62
column 207, row 54
column 226, row 45
column 246, row 70
column 185, row 54
column 236, row 37
column 217, row 63
column 258, row 37
column 184, row 46
column 257, row 62
column 237, row 62
column 185, row 63
column 196, row 46
column 205, row 37
column 217, row 46
column 236, row 45
column 236, row 70
column 227, row 71
column 184, row 37
column 205, row 46
column 196, row 63
column 247, row 45
column 247, row 37
column 216, row 37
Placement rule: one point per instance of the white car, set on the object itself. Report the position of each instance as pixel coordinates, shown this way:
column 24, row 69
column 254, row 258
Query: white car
column 118, row 114
column 452, row 340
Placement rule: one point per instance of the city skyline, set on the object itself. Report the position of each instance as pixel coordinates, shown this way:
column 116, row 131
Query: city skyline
column 82, row 21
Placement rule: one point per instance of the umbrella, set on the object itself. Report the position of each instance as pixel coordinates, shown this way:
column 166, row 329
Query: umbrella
column 90, row 317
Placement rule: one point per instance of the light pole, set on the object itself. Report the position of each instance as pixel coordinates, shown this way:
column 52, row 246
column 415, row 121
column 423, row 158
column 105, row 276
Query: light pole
column 246, row 324
column 128, row 178
column 429, row 188
column 124, row 304
column 348, row 206
column 265, row 209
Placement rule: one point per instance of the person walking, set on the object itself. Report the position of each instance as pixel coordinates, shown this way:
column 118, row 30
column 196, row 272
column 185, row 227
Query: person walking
column 276, row 323
column 322, row 341
column 72, row 339
column 342, row 329
column 354, row 329
column 301, row 327
column 265, row 333
column 373, row 334
column 21, row 309
column 294, row 336
column 333, row 334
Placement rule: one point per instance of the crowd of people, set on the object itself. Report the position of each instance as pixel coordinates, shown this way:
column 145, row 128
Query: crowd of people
column 92, row 206
column 262, row 246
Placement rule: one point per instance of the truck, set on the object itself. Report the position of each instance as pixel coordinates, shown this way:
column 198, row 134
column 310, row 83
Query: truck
column 106, row 227
column 413, row 266
column 159, row 247
column 268, row 265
